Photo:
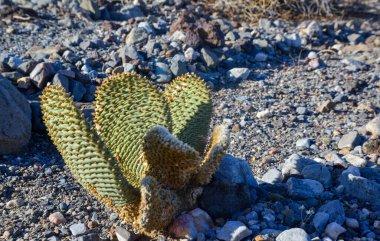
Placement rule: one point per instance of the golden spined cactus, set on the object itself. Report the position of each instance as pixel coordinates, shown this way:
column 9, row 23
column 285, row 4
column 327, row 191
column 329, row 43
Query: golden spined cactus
column 130, row 160
column 86, row 156
column 126, row 107
column 191, row 109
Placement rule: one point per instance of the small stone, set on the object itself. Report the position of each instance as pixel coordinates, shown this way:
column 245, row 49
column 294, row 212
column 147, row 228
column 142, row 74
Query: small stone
column 314, row 64
column 326, row 106
column 15, row 203
column 91, row 7
column 237, row 74
column 373, row 127
column 124, row 235
column 304, row 143
column 6, row 235
column 61, row 80
column 210, row 58
column 24, row 82
column 293, row 234
column 355, row 160
column 354, row 38
column 319, row 173
column 118, row 70
column 114, row 216
column 89, row 237
column 137, row 35
column 42, row 73
column 78, row 229
column 261, row 57
column 233, row 231
column 320, row 221
column 128, row 67
column 129, row 52
column 333, row 230
column 77, row 90
column 178, row 65
column 70, row 57
column 191, row 54
column 301, row 110
column 349, row 140
column 272, row 176
column 314, row 29
column 304, row 188
column 352, row 223
column 184, row 227
column 264, row 114
column 57, row 218
column 295, row 164
column 163, row 72
column 335, row 210
column 27, row 67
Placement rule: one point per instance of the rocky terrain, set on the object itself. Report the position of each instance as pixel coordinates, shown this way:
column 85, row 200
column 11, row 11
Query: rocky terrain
column 300, row 99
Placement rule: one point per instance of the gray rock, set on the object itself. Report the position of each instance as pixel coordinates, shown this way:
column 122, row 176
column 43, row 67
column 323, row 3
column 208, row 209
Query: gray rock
column 293, row 234
column 27, row 67
column 352, row 223
column 294, row 165
column 373, row 127
column 128, row 67
column 124, row 235
column 354, row 38
column 335, row 210
column 91, row 7
column 355, row 160
column 301, row 110
column 42, row 73
column 232, row 189
column 320, row 221
column 349, row 140
column 237, row 74
column 70, row 57
column 333, row 230
column 191, row 54
column 24, row 83
column 127, row 12
column 314, row 29
column 178, row 65
column 163, row 72
column 361, row 188
column 209, row 58
column 272, row 176
column 78, row 229
column 233, row 231
column 294, row 40
column 137, row 35
column 265, row 23
column 77, row 90
column 304, row 143
column 14, row 62
column 61, row 80
column 261, row 57
column 89, row 237
column 15, row 119
column 318, row 172
column 304, row 188
column 14, row 203
column 128, row 53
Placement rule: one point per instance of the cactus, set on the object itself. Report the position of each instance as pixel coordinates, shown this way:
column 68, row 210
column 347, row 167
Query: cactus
column 146, row 155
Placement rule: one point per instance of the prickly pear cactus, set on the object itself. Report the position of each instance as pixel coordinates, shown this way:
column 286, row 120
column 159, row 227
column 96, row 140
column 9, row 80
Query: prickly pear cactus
column 144, row 156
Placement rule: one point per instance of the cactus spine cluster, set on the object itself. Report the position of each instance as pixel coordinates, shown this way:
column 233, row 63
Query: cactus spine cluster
column 146, row 155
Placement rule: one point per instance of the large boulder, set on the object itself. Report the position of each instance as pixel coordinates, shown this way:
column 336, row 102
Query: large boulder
column 15, row 119
column 232, row 189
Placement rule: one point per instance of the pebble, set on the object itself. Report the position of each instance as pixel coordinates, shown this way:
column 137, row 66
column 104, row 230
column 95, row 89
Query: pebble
column 320, row 221
column 272, row 176
column 210, row 58
column 293, row 234
column 352, row 223
column 349, row 140
column 163, row 72
column 264, row 114
column 304, row 143
column 335, row 210
column 78, row 229
column 233, row 231
column 15, row 203
column 123, row 234
column 333, row 230
column 57, row 218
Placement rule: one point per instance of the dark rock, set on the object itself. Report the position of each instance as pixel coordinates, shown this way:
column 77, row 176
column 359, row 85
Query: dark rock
column 37, row 121
column 232, row 189
column 335, row 210
column 210, row 58
column 27, row 67
column 304, row 188
column 91, row 7
column 127, row 12
column 77, row 90
column 178, row 65
column 42, row 73
column 15, row 119
column 318, row 172
column 62, row 80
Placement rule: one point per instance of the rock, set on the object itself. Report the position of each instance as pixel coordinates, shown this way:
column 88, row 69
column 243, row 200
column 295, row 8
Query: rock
column 320, row 221
column 70, row 57
column 137, row 35
column 178, row 65
column 301, row 110
column 372, row 147
column 128, row 67
column 14, row 62
column 352, row 223
column 77, row 90
column 42, row 73
column 233, row 231
column 118, row 70
column 361, row 188
column 14, row 203
column 89, row 237
column 37, row 122
column 124, row 235
column 261, row 57
column 232, row 189
column 373, row 127
column 355, row 160
column 335, row 210
column 163, row 72
column 61, row 80
column 15, row 119
column 27, row 67
column 318, row 172
column 349, row 140
column 294, row 40
column 188, row 225
column 354, row 38
column 272, row 176
column 304, row 188
column 57, row 218
column 333, row 230
column 314, row 29
column 264, row 114
column 24, row 82
column 13, row 76
column 237, row 74
column 294, row 165
column 127, row 12
column 304, row 143
column 78, row 229
column 191, row 54
column 293, row 234
column 209, row 58
column 129, row 52
column 91, row 7
column 326, row 106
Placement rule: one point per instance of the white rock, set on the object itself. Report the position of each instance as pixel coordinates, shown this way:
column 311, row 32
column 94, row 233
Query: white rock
column 57, row 218
column 374, row 127
column 264, row 114
column 236, row 74
column 272, row 176
column 333, row 230
column 293, row 234
column 191, row 54
column 78, row 229
column 178, row 36
column 355, row 160
column 124, row 235
column 233, row 231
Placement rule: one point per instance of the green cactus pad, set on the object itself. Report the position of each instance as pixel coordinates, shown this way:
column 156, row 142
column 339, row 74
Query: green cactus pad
column 191, row 109
column 90, row 162
column 170, row 161
column 127, row 106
